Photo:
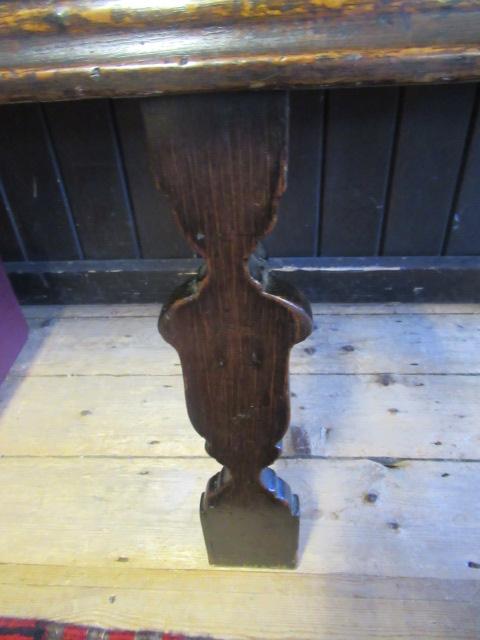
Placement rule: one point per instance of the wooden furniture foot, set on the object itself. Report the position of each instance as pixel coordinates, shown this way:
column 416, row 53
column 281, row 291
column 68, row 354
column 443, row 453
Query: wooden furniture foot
column 221, row 159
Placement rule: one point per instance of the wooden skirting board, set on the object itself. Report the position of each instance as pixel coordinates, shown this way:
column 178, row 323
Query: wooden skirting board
column 386, row 279
column 100, row 473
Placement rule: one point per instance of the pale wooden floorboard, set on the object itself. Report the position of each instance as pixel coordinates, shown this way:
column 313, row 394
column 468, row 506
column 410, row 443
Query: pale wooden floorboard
column 342, row 344
column 422, row 523
column 394, row 416
column 100, row 477
column 247, row 605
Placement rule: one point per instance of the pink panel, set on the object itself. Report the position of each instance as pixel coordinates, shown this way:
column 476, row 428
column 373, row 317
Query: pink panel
column 13, row 328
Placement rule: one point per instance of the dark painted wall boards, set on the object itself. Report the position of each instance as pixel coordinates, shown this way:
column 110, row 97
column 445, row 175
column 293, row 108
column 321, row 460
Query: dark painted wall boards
column 157, row 230
column 84, row 137
column 431, row 139
column 372, row 172
column 358, row 155
column 33, row 187
column 296, row 231
column 9, row 241
column 464, row 236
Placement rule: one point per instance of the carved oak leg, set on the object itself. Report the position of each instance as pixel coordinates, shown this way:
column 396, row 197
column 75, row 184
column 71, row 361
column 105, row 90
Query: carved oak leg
column 221, row 159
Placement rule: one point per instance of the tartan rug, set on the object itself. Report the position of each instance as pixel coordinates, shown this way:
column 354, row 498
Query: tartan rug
column 20, row 629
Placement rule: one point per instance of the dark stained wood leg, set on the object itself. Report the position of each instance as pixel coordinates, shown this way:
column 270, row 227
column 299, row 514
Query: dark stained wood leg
column 221, row 159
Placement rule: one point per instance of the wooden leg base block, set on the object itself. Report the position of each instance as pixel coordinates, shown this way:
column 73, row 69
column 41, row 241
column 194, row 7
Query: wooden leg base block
column 262, row 533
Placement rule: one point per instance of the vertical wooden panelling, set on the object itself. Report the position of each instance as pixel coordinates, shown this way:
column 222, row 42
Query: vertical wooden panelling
column 360, row 129
column 84, row 138
column 158, row 233
column 28, row 171
column 10, row 248
column 464, row 237
column 78, row 184
column 431, row 140
column 296, row 231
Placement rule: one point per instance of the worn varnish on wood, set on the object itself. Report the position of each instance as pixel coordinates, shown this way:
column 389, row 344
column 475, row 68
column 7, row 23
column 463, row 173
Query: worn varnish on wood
column 223, row 166
column 90, row 48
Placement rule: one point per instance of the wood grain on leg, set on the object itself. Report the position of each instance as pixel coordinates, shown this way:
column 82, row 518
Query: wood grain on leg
column 223, row 167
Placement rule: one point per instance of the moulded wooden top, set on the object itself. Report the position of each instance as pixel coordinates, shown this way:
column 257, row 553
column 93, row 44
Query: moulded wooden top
column 90, row 48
